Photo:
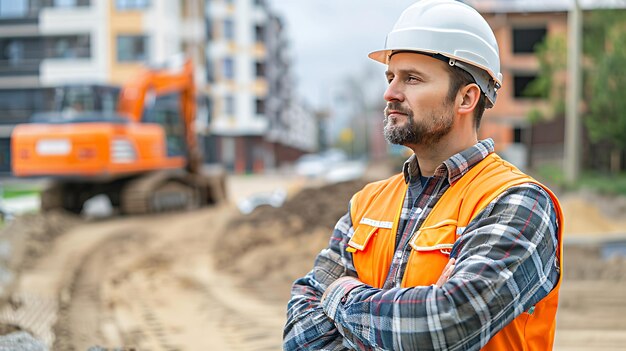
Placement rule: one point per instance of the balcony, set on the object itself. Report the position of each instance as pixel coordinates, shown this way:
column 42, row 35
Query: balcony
column 25, row 67
column 23, row 56
column 70, row 70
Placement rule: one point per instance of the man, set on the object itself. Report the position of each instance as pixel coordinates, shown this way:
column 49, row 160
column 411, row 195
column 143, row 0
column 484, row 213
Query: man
column 461, row 251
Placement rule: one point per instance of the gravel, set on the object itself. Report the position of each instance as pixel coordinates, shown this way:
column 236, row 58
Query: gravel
column 22, row 341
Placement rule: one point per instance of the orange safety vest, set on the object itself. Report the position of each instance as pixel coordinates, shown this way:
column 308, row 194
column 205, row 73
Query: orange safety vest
column 375, row 213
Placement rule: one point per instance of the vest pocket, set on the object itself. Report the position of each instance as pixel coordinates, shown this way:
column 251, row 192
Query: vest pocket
column 366, row 229
column 440, row 236
column 430, row 253
column 372, row 251
column 362, row 235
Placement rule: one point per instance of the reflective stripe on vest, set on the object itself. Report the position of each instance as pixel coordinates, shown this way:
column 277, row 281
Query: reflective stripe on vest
column 375, row 212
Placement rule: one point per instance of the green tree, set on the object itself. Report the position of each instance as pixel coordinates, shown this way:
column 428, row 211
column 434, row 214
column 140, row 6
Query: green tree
column 606, row 118
column 550, row 82
column 604, row 79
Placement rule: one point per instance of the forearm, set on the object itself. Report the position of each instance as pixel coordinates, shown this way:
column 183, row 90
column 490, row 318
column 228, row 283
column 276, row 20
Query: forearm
column 419, row 318
column 308, row 327
column 400, row 318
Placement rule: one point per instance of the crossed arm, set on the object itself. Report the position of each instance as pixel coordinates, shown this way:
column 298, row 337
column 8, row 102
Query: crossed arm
column 505, row 263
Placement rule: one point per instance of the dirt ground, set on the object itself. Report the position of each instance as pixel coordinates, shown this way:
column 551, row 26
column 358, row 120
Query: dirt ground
column 214, row 279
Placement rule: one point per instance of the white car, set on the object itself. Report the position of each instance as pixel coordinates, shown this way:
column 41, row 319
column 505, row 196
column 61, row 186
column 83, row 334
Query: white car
column 311, row 166
column 331, row 165
column 275, row 199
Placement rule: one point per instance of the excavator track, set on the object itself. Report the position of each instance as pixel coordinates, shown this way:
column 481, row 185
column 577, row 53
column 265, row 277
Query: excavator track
column 158, row 192
column 70, row 196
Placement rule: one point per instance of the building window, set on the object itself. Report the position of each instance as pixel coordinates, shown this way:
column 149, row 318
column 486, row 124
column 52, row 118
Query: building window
column 13, row 51
column 525, row 39
column 229, row 29
column 132, row 48
column 208, row 28
column 520, row 84
column 68, row 47
column 259, row 68
column 260, row 106
column 259, row 33
column 70, row 3
column 229, row 68
column 64, row 3
column 517, row 135
column 13, row 8
column 5, row 155
column 229, row 105
column 17, row 105
column 205, row 106
column 21, row 56
column 132, row 4
column 210, row 78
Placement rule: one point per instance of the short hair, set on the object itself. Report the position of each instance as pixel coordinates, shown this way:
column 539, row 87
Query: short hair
column 458, row 79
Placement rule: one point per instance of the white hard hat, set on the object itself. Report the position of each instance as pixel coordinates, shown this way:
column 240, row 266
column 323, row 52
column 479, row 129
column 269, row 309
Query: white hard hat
column 451, row 29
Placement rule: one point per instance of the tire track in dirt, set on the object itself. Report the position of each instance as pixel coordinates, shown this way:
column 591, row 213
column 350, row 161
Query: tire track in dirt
column 151, row 286
column 80, row 312
column 244, row 323
column 43, row 283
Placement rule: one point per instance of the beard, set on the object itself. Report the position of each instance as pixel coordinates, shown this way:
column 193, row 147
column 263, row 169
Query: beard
column 428, row 131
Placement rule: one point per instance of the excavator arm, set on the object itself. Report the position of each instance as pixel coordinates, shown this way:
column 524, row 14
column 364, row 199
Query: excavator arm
column 141, row 92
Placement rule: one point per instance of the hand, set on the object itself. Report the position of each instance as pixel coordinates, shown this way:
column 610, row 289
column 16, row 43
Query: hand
column 447, row 272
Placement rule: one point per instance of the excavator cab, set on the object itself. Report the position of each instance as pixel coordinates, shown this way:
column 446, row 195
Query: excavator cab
column 164, row 111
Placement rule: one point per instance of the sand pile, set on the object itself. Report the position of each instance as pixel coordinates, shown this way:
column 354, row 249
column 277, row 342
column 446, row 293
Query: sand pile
column 271, row 247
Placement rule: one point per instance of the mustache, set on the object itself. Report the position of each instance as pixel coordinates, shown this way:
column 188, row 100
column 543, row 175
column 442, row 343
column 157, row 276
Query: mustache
column 397, row 106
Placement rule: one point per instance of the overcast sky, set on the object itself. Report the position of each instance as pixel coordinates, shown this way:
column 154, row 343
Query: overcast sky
column 330, row 40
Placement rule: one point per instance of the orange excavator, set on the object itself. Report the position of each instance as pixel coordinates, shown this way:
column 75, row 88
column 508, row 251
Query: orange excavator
column 135, row 144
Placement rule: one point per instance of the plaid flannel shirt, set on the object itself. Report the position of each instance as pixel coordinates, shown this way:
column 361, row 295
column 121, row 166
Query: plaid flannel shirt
column 506, row 263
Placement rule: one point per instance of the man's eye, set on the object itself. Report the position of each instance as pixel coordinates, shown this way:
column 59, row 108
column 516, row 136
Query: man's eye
column 413, row 79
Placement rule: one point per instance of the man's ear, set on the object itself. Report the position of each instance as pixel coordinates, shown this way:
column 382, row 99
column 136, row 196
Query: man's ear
column 469, row 95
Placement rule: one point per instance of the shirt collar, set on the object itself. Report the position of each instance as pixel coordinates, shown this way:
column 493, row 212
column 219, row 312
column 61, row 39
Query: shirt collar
column 454, row 167
column 411, row 169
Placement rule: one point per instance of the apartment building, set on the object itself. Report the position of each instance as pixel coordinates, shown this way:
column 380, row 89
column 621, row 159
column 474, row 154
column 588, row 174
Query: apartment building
column 293, row 128
column 49, row 43
column 256, row 122
column 519, row 25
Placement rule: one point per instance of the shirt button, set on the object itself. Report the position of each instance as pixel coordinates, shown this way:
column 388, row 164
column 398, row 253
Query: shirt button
column 419, row 210
column 398, row 254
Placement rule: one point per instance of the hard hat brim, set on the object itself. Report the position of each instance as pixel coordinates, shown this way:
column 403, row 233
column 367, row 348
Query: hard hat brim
column 382, row 56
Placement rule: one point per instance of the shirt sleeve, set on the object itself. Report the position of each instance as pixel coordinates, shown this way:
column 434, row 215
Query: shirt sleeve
column 506, row 263
column 307, row 326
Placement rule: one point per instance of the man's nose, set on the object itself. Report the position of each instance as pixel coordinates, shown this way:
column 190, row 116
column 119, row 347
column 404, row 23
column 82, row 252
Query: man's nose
column 393, row 93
